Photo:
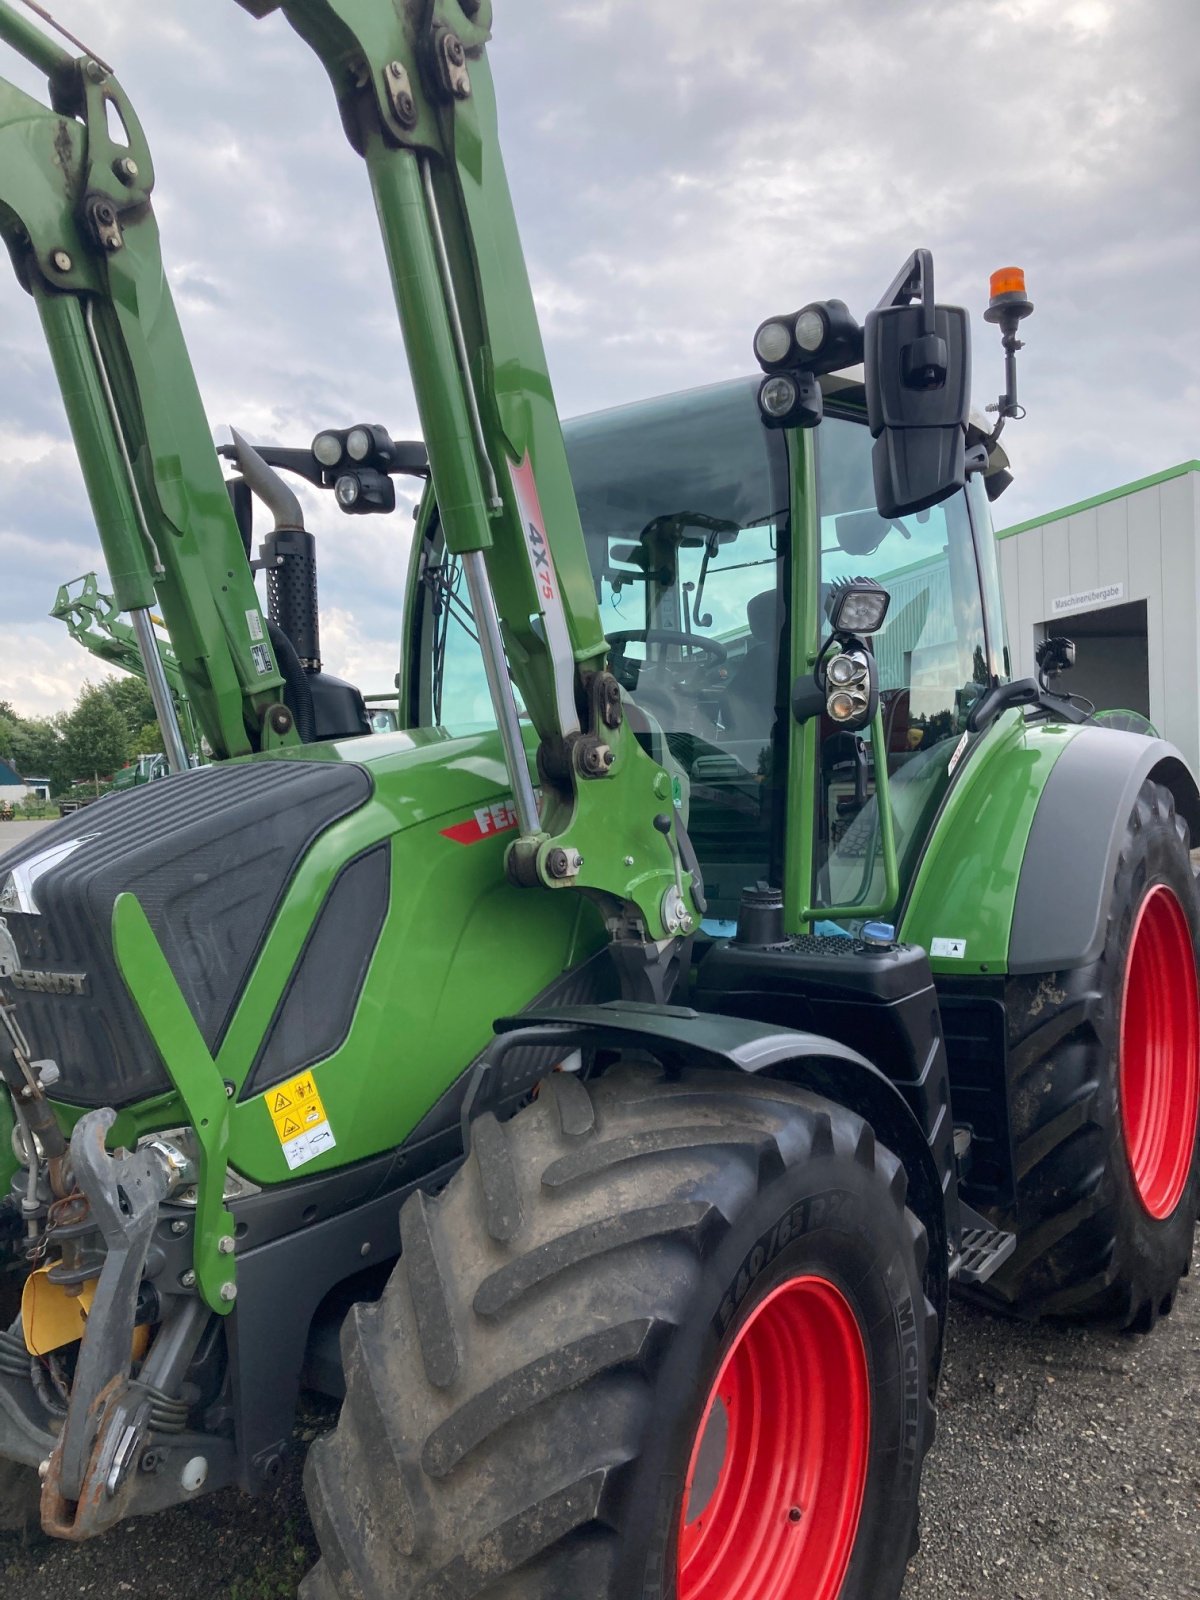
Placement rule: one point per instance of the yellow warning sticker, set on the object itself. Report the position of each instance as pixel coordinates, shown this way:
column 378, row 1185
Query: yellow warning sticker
column 300, row 1120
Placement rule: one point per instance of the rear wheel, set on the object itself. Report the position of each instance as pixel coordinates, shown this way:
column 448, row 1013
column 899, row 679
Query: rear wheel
column 1104, row 1099
column 657, row 1339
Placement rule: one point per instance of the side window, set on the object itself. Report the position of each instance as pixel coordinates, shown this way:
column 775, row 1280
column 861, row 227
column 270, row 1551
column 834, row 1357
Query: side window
column 932, row 658
column 454, row 690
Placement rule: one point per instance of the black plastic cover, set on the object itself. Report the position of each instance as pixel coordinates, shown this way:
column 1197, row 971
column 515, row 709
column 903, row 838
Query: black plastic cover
column 321, row 997
column 209, row 854
column 880, row 1002
column 918, row 387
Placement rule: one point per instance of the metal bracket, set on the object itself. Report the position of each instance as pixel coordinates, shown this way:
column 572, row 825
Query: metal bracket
column 123, row 1195
column 451, row 61
column 399, row 93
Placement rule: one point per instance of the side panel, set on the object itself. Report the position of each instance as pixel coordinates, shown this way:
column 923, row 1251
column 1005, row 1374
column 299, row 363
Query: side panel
column 961, row 905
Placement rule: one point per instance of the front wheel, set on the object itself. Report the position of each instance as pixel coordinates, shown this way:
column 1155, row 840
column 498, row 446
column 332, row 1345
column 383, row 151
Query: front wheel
column 657, row 1340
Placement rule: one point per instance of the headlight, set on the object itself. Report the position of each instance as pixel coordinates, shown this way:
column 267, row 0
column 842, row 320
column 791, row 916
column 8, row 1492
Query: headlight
column 777, row 396
column 346, row 491
column 327, row 447
column 845, row 670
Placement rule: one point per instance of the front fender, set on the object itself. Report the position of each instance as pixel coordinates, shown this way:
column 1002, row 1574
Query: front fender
column 678, row 1037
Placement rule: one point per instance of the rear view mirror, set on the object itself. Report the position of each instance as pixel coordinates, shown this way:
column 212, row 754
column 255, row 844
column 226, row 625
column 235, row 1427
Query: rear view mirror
column 917, row 360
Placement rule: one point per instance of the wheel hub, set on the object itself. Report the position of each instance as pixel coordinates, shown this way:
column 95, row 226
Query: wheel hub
column 779, row 1463
column 1160, row 1052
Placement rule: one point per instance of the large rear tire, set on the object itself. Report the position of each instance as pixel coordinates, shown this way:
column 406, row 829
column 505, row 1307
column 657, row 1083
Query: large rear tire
column 1104, row 1100
column 658, row 1340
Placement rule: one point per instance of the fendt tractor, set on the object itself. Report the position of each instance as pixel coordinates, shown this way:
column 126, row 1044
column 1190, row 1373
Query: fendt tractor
column 600, row 1080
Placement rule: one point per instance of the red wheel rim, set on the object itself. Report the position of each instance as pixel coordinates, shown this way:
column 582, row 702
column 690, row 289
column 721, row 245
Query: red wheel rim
column 779, row 1464
column 1160, row 1052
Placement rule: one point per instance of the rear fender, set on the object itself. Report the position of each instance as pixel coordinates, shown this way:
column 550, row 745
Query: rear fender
column 1015, row 876
column 1061, row 906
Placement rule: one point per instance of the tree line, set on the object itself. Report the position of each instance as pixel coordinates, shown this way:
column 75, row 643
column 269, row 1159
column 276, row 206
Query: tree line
column 109, row 725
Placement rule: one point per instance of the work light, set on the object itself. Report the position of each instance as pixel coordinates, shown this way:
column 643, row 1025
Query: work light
column 857, row 605
column 370, row 442
column 811, row 329
column 773, row 343
column 327, row 447
column 359, row 444
column 347, row 490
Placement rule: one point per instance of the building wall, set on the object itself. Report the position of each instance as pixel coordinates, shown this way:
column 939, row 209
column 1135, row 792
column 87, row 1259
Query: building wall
column 1139, row 543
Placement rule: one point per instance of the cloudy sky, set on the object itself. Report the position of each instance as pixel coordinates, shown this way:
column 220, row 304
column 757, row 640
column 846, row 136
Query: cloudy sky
column 676, row 181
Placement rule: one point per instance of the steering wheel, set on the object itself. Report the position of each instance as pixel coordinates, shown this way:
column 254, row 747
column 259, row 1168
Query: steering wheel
column 622, row 670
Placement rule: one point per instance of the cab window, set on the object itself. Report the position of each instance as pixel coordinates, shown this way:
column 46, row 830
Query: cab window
column 933, row 659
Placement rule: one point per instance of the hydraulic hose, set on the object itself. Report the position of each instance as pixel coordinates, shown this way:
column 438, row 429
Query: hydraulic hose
column 297, row 691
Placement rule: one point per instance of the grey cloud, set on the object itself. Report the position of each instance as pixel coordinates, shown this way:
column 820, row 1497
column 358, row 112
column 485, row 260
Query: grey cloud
column 679, row 173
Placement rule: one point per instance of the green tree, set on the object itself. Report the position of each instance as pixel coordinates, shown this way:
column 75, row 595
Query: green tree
column 38, row 748
column 132, row 699
column 96, row 736
column 147, row 742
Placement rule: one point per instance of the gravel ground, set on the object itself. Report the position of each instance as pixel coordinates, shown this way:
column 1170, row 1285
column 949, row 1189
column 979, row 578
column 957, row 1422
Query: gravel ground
column 1067, row 1466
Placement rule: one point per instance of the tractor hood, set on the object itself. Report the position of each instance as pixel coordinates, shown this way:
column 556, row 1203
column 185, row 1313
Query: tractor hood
column 210, row 855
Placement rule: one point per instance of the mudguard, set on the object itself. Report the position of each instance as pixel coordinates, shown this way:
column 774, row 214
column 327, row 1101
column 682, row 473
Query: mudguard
column 1061, row 902
column 678, row 1037
column 1015, row 873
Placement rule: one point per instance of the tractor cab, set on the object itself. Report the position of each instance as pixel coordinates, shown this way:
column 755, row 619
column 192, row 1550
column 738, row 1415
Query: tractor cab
column 714, row 543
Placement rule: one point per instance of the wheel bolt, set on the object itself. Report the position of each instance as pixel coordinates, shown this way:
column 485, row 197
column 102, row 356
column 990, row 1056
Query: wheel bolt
column 795, row 1514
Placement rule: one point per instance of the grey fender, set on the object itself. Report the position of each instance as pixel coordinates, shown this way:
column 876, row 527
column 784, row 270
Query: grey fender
column 1061, row 904
column 679, row 1037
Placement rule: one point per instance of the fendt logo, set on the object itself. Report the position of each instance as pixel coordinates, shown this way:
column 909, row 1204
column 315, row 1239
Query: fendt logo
column 49, row 982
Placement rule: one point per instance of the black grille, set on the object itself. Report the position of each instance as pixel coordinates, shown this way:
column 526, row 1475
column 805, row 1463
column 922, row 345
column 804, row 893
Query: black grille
column 208, row 854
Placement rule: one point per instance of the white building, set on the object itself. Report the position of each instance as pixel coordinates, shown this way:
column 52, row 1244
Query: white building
column 14, row 788
column 1120, row 575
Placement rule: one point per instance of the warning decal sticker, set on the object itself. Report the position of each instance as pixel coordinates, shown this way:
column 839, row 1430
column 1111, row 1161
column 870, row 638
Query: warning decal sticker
column 956, row 949
column 300, row 1121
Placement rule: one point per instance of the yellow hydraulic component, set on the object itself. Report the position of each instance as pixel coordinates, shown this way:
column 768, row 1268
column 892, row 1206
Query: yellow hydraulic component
column 50, row 1317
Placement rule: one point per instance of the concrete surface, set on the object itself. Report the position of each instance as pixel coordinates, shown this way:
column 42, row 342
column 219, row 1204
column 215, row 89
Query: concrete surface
column 12, row 833
column 1067, row 1467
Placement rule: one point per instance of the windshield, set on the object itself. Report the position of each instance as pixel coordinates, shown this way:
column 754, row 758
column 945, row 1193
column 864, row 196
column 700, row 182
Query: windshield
column 683, row 502
column 933, row 653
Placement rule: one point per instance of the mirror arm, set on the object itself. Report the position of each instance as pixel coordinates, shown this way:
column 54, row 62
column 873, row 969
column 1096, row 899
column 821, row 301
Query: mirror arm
column 914, row 278
column 1020, row 692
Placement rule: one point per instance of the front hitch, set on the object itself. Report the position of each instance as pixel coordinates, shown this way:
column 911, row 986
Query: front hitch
column 103, row 1429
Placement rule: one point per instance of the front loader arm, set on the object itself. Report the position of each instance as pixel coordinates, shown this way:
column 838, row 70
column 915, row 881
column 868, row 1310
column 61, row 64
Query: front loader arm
column 93, row 619
column 416, row 98
column 75, row 214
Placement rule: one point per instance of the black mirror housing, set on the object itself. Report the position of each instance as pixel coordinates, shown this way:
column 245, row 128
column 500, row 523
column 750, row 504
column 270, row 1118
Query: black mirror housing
column 918, row 383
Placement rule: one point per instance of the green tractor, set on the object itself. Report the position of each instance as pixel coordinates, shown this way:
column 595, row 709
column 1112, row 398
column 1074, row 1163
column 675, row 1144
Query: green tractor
column 600, row 1080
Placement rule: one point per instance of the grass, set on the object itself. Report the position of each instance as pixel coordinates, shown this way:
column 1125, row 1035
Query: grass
column 279, row 1578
